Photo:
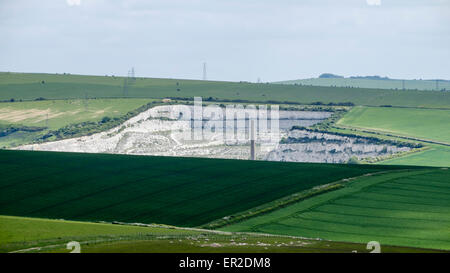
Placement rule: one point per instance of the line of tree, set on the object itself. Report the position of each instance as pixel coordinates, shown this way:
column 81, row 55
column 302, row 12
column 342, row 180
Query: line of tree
column 368, row 139
column 9, row 129
column 211, row 99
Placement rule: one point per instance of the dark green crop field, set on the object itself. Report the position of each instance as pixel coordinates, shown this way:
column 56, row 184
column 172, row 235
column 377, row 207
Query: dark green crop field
column 29, row 86
column 167, row 190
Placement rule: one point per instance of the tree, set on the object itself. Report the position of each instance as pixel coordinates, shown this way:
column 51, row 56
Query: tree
column 353, row 160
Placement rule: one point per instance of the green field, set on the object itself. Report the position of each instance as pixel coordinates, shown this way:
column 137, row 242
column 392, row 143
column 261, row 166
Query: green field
column 404, row 208
column 396, row 205
column 72, row 114
column 372, row 83
column 437, row 155
column 427, row 124
column 413, row 123
column 64, row 112
column 23, row 234
column 168, row 190
column 30, row 86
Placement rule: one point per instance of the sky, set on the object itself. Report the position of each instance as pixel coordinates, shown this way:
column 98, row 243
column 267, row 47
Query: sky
column 240, row 40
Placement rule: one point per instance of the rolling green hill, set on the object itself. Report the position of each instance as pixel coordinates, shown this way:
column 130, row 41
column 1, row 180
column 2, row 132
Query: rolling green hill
column 64, row 112
column 19, row 86
column 21, row 234
column 405, row 208
column 429, row 85
column 167, row 190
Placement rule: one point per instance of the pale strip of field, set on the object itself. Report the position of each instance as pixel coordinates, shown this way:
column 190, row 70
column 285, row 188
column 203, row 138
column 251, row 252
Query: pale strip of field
column 59, row 113
column 35, row 115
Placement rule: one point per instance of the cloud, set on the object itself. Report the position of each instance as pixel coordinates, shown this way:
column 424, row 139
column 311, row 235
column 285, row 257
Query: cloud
column 373, row 2
column 240, row 40
column 73, row 2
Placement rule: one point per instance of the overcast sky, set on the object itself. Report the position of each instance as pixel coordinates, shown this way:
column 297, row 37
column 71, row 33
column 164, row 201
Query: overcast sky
column 238, row 39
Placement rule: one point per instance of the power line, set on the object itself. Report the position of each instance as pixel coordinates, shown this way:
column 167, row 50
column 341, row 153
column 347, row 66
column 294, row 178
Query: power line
column 128, row 81
column 204, row 71
column 125, row 87
column 86, row 101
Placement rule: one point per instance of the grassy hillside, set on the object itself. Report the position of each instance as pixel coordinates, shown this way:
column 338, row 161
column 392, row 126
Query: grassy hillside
column 64, row 112
column 43, row 235
column 372, row 83
column 30, row 121
column 436, row 155
column 405, row 208
column 412, row 123
column 50, row 86
column 177, row 191
column 21, row 232
column 428, row 124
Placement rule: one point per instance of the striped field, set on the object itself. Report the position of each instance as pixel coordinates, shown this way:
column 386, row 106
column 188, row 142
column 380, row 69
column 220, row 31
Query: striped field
column 404, row 208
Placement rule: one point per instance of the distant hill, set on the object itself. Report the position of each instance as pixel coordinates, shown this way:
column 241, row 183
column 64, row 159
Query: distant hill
column 330, row 76
column 15, row 87
column 374, row 82
column 376, row 77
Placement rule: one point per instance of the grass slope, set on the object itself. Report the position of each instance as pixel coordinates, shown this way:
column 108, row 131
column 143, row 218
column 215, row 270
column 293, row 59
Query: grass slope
column 405, row 208
column 64, row 112
column 372, row 83
column 22, row 232
column 168, row 190
column 60, row 113
column 43, row 235
column 31, row 86
column 428, row 124
column 437, row 155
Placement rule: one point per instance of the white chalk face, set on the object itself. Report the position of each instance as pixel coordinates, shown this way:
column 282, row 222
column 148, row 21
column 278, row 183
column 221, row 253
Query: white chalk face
column 373, row 2
column 73, row 2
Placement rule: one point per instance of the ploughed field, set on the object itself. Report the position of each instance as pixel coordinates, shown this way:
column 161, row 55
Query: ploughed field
column 403, row 208
column 167, row 190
